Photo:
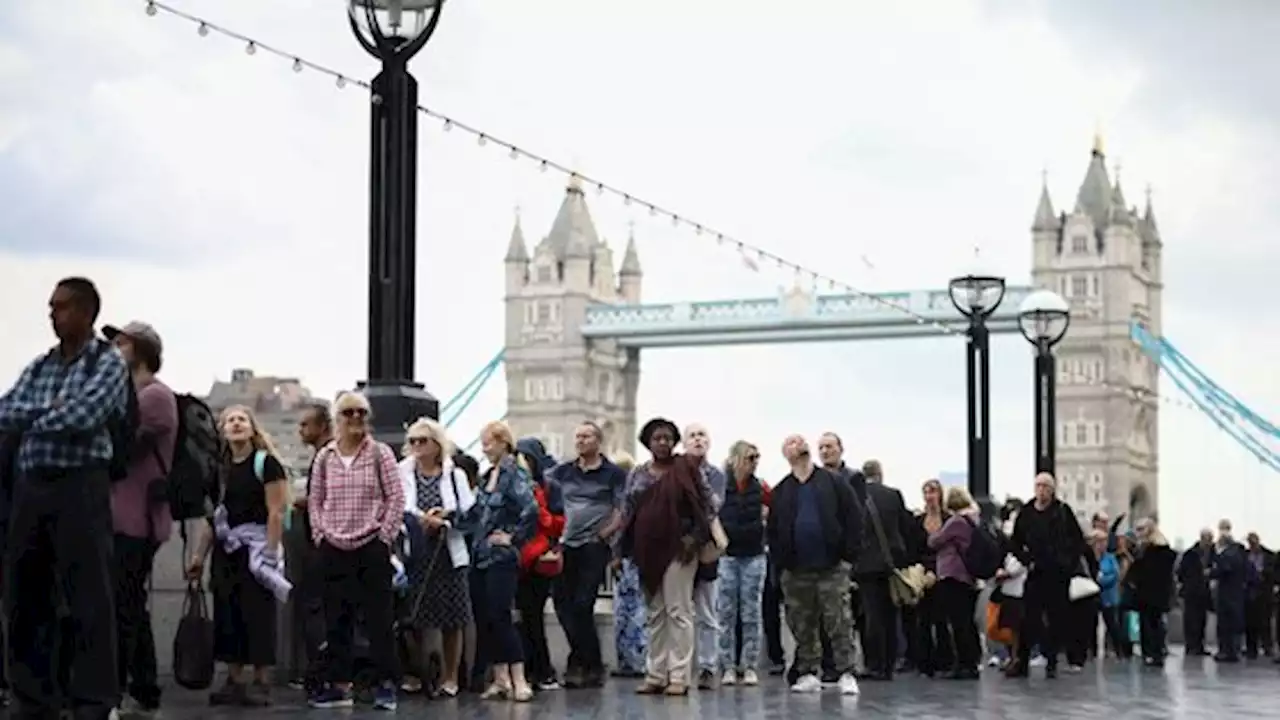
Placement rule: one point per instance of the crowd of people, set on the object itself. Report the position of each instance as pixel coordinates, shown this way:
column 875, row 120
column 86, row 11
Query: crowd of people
column 376, row 551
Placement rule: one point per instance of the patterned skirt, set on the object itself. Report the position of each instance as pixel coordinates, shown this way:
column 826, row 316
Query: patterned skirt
column 440, row 597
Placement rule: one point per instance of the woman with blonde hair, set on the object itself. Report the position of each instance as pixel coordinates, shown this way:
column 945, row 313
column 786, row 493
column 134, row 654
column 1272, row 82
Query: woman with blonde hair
column 247, row 571
column 505, row 516
column 437, row 499
column 929, row 644
column 957, row 590
column 356, row 509
column 1151, row 576
column 743, row 567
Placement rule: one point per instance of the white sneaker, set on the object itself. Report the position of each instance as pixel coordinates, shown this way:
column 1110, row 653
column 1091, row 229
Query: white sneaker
column 750, row 678
column 807, row 684
column 1039, row 661
column 729, row 678
column 848, row 684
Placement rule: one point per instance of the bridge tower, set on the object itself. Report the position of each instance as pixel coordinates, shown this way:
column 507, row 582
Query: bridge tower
column 556, row 378
column 1104, row 257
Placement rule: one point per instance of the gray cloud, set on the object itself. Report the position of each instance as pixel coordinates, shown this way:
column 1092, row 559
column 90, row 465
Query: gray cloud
column 1193, row 53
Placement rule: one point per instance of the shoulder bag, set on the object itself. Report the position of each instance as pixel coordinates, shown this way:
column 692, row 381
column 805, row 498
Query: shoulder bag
column 906, row 585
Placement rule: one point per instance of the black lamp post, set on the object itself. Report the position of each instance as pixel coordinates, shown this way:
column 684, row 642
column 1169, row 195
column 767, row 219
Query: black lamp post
column 393, row 31
column 976, row 297
column 1043, row 318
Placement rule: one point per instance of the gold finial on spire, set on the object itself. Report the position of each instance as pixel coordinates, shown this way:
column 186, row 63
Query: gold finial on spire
column 1098, row 146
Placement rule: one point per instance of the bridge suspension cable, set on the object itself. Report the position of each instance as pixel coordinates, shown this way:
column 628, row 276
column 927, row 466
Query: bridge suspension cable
column 1222, row 408
column 467, row 394
column 752, row 255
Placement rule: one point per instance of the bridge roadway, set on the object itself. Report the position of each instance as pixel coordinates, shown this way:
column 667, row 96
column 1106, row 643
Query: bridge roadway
column 1198, row 689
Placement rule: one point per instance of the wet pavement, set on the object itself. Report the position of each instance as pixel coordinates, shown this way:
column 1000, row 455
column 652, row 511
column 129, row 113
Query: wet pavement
column 1200, row 689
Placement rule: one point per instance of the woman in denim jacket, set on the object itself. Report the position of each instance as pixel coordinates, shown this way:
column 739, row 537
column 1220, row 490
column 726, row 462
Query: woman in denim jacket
column 505, row 516
column 1109, row 593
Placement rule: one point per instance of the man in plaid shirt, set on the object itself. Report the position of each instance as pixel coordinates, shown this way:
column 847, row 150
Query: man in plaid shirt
column 60, row 536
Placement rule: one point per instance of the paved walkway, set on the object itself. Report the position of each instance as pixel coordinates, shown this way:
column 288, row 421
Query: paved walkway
column 1201, row 689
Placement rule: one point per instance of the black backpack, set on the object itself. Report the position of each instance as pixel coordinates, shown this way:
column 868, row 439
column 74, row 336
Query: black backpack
column 198, row 456
column 985, row 554
column 122, row 428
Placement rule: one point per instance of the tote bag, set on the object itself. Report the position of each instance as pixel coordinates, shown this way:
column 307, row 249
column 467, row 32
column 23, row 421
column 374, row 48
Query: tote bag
column 193, row 642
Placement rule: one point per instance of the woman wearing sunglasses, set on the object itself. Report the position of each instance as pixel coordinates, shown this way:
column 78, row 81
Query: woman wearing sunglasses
column 743, row 567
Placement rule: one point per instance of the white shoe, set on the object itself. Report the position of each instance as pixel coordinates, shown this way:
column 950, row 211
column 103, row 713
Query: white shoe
column 750, row 678
column 848, row 684
column 1039, row 661
column 807, row 684
column 729, row 678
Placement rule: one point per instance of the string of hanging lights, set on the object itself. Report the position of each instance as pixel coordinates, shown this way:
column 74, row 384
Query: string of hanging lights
column 752, row 256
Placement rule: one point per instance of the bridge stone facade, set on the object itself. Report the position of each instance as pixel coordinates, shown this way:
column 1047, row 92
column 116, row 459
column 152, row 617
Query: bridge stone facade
column 575, row 325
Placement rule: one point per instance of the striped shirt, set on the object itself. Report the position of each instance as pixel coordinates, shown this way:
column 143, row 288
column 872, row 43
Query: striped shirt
column 350, row 505
column 61, row 407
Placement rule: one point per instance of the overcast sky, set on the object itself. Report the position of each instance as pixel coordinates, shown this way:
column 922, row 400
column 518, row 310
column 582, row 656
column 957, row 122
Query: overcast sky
column 223, row 197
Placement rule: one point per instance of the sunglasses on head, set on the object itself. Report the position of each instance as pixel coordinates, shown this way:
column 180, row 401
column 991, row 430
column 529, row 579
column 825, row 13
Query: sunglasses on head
column 354, row 412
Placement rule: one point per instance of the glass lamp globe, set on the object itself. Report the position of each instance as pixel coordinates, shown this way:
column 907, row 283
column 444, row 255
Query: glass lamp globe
column 1044, row 317
column 977, row 294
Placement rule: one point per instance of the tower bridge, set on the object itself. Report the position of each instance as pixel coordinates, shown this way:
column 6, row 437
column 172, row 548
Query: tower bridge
column 576, row 323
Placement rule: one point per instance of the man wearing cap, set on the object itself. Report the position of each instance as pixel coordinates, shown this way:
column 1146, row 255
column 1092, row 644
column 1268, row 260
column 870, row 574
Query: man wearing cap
column 140, row 512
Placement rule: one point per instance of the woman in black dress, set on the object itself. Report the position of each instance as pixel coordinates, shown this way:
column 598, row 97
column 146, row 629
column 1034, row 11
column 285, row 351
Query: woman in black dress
column 253, row 499
column 437, row 495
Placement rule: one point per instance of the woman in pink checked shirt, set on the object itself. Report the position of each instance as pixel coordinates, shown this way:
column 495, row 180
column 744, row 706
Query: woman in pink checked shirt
column 356, row 507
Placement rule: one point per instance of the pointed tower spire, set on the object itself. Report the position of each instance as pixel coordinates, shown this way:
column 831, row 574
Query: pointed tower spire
column 517, row 251
column 1149, row 220
column 1094, row 197
column 1045, row 218
column 631, row 258
column 1120, row 214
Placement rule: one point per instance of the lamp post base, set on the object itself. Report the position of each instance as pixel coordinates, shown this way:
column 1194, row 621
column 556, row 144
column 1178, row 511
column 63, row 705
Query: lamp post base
column 395, row 406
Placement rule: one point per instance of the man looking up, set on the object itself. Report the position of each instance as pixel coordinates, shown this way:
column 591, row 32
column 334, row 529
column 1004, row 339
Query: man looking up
column 697, row 443
column 831, row 454
column 64, row 407
column 593, row 492
column 813, row 542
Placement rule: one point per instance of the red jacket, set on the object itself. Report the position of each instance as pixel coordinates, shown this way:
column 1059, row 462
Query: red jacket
column 547, row 535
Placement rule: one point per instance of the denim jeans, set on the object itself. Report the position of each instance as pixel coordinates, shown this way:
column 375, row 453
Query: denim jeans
column 707, row 622
column 496, row 634
column 740, row 596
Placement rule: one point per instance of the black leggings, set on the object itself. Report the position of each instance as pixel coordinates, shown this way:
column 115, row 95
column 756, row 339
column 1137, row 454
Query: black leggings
column 532, row 592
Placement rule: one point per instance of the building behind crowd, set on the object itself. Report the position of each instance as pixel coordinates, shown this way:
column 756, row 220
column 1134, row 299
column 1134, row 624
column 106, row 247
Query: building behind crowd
column 276, row 401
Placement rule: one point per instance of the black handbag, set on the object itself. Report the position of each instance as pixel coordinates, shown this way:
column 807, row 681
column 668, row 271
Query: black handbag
column 193, row 642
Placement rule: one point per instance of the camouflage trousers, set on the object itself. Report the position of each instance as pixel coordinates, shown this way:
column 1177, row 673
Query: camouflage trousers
column 816, row 599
